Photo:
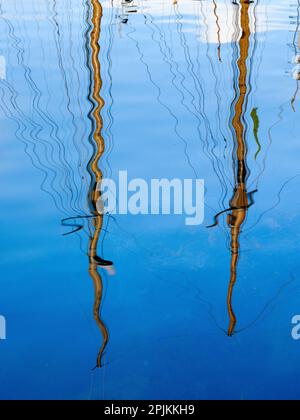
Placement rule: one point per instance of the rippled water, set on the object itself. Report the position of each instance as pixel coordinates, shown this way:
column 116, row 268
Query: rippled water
column 178, row 90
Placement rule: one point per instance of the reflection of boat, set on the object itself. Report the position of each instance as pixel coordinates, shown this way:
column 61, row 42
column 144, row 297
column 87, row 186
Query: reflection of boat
column 128, row 7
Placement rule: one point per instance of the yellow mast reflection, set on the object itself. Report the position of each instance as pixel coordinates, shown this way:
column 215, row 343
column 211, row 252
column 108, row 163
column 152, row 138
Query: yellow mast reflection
column 94, row 193
column 239, row 203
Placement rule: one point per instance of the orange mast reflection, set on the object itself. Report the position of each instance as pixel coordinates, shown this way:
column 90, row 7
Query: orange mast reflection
column 94, row 193
column 239, row 203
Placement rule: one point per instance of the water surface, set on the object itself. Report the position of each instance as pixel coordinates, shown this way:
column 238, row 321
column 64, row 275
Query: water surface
column 162, row 89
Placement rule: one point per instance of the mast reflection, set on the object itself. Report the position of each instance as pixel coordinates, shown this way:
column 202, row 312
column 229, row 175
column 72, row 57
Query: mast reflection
column 96, row 177
column 241, row 200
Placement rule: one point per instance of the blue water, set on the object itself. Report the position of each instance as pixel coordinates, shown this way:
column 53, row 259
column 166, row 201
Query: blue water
column 168, row 73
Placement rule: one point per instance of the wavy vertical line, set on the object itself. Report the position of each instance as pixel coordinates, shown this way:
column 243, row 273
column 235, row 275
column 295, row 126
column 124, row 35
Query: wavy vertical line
column 30, row 145
column 108, row 130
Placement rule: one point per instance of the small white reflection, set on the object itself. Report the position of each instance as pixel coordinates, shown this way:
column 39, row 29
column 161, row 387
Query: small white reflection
column 2, row 328
column 2, row 68
column 296, row 73
column 111, row 271
column 297, row 59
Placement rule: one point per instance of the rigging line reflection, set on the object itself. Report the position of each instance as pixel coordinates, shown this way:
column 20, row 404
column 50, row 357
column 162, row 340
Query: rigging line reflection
column 179, row 82
column 177, row 77
column 43, row 113
column 198, row 99
column 57, row 147
column 209, row 140
column 110, row 117
column 296, row 44
column 163, row 104
column 218, row 30
column 40, row 150
column 216, row 146
column 279, row 117
column 254, row 76
column 83, row 148
column 58, row 39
